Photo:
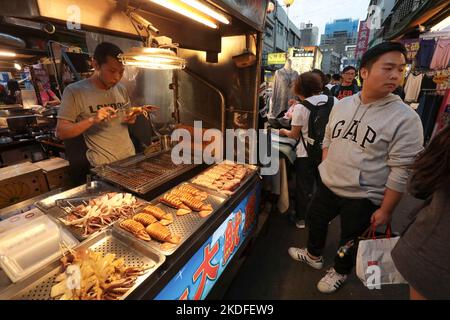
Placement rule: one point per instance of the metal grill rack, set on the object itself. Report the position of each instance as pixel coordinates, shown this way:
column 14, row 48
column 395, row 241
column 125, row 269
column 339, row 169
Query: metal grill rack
column 184, row 226
column 141, row 173
column 38, row 287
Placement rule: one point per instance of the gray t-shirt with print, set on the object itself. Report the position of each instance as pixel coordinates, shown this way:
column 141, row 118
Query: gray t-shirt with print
column 108, row 141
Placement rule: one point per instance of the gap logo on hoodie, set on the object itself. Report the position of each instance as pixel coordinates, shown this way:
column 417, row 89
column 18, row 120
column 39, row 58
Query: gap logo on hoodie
column 351, row 132
column 370, row 147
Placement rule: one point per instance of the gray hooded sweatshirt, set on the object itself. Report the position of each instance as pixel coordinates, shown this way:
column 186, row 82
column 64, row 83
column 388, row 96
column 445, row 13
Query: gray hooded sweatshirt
column 370, row 147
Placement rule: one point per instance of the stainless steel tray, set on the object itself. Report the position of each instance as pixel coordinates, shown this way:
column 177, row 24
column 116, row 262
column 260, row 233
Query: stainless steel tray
column 141, row 174
column 184, row 226
column 38, row 286
column 52, row 205
column 253, row 171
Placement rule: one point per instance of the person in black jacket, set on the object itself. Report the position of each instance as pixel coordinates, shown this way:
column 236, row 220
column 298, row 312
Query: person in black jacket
column 348, row 87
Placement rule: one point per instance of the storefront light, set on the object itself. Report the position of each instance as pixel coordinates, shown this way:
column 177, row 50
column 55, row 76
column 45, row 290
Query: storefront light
column 207, row 10
column 186, row 10
column 152, row 58
column 7, row 54
column 441, row 25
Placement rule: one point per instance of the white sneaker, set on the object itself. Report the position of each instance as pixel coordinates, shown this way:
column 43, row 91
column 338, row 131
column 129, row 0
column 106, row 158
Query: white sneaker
column 302, row 256
column 300, row 224
column 331, row 282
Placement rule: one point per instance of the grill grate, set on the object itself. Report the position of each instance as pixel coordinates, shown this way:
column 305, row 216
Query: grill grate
column 141, row 174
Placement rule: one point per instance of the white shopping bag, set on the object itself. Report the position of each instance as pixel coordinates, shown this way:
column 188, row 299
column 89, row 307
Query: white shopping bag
column 374, row 264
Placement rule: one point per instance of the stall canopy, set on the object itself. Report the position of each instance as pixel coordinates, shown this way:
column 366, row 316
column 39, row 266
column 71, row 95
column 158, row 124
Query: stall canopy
column 111, row 17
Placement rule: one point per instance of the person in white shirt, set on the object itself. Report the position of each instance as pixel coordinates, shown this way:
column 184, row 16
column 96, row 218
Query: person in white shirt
column 308, row 86
column 335, row 80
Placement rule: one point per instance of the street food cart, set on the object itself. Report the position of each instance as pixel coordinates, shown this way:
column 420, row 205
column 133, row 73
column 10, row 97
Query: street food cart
column 198, row 218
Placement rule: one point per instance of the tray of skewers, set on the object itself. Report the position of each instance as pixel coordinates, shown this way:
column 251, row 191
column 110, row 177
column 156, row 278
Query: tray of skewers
column 226, row 177
column 169, row 220
column 88, row 210
column 107, row 266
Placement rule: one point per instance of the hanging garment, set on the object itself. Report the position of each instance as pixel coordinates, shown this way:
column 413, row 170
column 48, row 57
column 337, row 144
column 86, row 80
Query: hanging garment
column 441, row 56
column 282, row 91
column 412, row 87
column 442, row 119
column 428, row 110
column 425, row 53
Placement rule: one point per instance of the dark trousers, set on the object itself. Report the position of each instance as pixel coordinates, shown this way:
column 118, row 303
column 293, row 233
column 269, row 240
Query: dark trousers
column 355, row 217
column 305, row 177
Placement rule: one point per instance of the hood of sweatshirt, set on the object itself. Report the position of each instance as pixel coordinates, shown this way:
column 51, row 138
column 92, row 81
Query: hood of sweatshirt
column 370, row 147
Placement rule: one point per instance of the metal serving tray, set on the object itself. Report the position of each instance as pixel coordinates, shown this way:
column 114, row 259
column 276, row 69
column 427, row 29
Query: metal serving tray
column 38, row 286
column 141, row 174
column 184, row 226
column 53, row 205
column 253, row 171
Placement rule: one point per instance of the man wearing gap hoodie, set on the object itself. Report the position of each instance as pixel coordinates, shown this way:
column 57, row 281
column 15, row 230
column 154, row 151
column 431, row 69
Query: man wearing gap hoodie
column 371, row 139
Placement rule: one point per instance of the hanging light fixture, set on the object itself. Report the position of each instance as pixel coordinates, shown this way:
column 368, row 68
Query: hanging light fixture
column 207, row 10
column 7, row 54
column 152, row 58
column 194, row 10
column 288, row 3
column 17, row 66
column 152, row 55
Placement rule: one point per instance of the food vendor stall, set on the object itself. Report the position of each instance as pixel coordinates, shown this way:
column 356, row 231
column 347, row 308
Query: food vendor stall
column 150, row 228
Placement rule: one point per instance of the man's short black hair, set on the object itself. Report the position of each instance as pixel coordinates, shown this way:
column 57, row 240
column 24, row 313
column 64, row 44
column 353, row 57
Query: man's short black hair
column 104, row 50
column 347, row 68
column 336, row 77
column 373, row 54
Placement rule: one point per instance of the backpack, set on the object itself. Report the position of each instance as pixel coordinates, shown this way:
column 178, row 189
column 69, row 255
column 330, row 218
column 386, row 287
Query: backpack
column 317, row 122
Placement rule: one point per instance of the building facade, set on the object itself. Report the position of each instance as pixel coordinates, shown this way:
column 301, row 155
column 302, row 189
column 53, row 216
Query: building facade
column 339, row 34
column 309, row 35
column 280, row 34
column 331, row 62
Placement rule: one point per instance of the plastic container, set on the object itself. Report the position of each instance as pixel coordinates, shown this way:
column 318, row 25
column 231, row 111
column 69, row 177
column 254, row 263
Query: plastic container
column 29, row 244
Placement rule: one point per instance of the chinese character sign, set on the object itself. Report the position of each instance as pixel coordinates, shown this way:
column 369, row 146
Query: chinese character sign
column 276, row 58
column 197, row 277
column 363, row 39
column 412, row 47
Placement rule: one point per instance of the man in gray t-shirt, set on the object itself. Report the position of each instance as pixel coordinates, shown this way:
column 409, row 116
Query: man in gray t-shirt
column 89, row 107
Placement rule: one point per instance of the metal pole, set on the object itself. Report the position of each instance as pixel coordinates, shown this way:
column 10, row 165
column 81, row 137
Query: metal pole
column 287, row 31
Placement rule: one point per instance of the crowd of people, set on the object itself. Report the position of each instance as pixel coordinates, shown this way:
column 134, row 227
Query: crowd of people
column 357, row 148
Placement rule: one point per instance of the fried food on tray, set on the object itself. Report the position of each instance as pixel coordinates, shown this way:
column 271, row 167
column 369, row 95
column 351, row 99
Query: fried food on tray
column 201, row 195
column 159, row 232
column 175, row 202
column 101, row 211
column 158, row 213
column 144, row 218
column 101, row 277
column 135, row 228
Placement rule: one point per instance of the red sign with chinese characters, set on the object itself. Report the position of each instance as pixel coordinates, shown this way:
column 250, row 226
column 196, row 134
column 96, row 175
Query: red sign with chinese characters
column 363, row 39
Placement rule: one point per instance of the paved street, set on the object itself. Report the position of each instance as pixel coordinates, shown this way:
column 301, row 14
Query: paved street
column 270, row 273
